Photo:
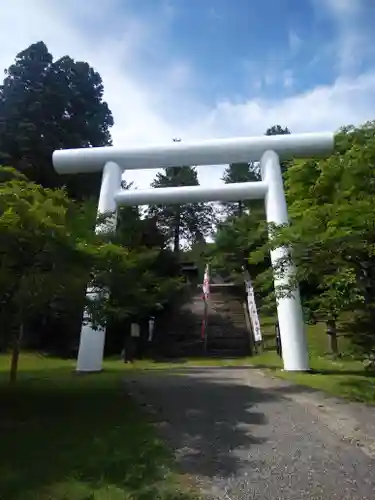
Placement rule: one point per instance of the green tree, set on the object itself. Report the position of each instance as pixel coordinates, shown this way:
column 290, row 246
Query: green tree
column 134, row 231
column 234, row 240
column 41, row 257
column 142, row 275
column 239, row 172
column 49, row 252
column 191, row 222
column 47, row 105
column 279, row 130
column 156, row 262
column 139, row 281
column 332, row 231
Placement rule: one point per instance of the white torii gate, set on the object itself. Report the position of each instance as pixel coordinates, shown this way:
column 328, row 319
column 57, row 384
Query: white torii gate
column 268, row 150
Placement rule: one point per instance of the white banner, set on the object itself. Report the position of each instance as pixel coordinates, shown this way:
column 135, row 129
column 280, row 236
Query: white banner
column 254, row 318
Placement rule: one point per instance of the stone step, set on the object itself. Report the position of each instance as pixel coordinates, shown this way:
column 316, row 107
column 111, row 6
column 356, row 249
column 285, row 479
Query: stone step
column 227, row 337
column 228, row 345
column 231, row 311
column 227, row 326
column 226, row 317
column 228, row 354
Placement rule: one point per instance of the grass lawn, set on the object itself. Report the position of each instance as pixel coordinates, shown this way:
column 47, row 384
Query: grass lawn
column 343, row 377
column 78, row 437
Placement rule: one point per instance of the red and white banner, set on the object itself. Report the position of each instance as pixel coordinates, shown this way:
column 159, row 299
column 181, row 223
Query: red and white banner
column 206, row 283
column 205, row 297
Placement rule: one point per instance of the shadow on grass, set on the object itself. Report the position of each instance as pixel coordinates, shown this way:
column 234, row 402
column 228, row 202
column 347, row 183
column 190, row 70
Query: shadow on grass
column 79, row 438
column 208, row 421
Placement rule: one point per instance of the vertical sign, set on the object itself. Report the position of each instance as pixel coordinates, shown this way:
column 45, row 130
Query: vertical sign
column 254, row 318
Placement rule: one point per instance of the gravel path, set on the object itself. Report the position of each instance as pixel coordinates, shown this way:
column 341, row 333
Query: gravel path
column 241, row 435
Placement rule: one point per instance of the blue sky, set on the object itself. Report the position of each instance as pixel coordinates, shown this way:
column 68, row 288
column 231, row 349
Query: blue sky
column 246, row 48
column 211, row 68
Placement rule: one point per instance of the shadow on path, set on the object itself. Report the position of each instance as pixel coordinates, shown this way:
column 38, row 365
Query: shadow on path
column 209, row 421
column 262, row 441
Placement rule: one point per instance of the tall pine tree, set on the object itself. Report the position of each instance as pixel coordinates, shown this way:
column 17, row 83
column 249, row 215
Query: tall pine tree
column 47, row 105
column 239, row 172
column 279, row 130
column 190, row 222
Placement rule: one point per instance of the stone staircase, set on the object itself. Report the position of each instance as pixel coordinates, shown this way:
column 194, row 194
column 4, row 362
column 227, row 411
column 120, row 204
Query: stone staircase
column 181, row 333
column 227, row 333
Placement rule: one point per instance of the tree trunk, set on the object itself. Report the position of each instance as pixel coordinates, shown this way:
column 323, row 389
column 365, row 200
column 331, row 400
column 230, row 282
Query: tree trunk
column 176, row 235
column 15, row 356
column 332, row 336
column 240, row 209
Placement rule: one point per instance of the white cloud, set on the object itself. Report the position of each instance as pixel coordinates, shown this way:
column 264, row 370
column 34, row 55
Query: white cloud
column 148, row 111
column 352, row 38
column 344, row 7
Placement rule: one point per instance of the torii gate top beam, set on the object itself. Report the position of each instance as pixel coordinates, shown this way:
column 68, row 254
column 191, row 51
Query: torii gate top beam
column 212, row 152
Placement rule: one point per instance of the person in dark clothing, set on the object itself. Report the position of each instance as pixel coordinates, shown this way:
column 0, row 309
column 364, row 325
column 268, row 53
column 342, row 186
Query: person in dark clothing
column 128, row 351
column 278, row 340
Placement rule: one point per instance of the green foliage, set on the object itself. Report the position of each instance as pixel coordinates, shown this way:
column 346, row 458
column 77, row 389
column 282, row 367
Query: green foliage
column 134, row 231
column 155, row 268
column 190, row 222
column 49, row 253
column 279, row 130
column 331, row 237
column 139, row 282
column 234, row 240
column 49, row 249
column 40, row 257
column 47, row 105
column 332, row 230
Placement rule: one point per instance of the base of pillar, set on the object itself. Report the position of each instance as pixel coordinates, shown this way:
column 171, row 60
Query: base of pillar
column 87, row 372
column 91, row 350
column 306, row 370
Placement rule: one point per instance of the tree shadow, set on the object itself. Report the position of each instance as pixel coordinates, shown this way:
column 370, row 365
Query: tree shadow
column 208, row 421
column 79, row 440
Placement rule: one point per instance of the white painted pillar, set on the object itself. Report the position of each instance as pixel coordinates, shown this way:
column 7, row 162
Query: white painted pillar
column 289, row 310
column 91, row 345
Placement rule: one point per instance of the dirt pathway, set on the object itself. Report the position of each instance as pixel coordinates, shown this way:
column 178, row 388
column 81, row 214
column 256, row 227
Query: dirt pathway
column 242, row 435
